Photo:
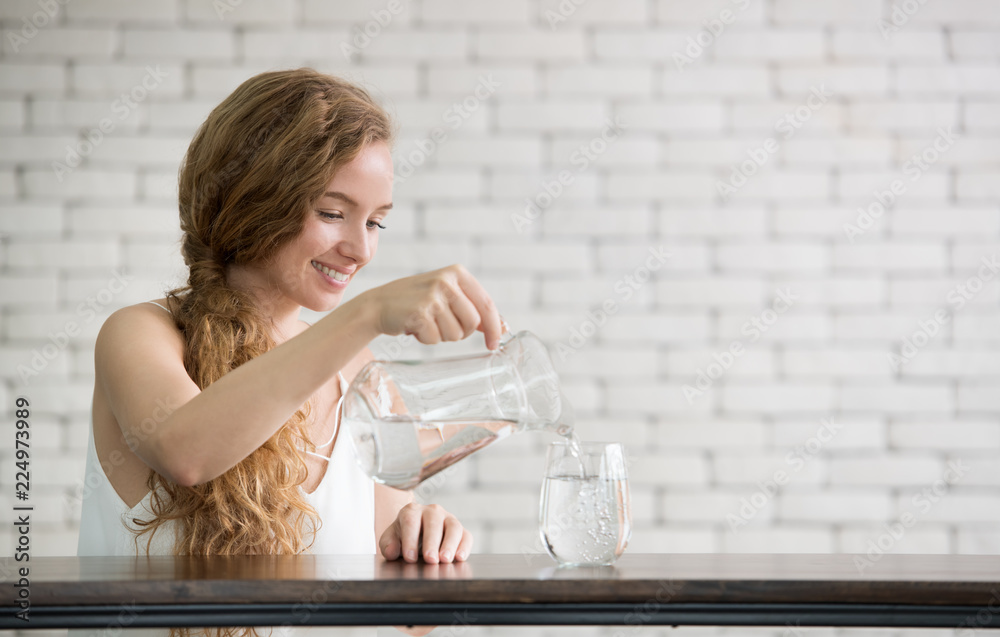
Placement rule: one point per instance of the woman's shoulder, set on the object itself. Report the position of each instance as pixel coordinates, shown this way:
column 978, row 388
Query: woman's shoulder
column 157, row 309
column 139, row 323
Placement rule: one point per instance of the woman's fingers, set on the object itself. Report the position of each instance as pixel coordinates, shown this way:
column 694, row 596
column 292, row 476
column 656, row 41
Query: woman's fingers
column 465, row 311
column 389, row 543
column 430, row 529
column 409, row 522
column 452, row 538
column 447, row 323
column 433, row 519
column 457, row 314
column 443, row 536
column 434, row 320
column 489, row 317
column 446, row 304
column 465, row 546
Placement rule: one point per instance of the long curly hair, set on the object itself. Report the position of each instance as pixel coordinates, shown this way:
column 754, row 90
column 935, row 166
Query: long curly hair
column 253, row 169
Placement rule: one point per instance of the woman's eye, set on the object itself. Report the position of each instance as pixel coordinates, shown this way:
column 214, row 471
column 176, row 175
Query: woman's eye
column 337, row 215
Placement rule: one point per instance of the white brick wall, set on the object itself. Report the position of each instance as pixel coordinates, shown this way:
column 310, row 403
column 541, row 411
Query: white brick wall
column 686, row 131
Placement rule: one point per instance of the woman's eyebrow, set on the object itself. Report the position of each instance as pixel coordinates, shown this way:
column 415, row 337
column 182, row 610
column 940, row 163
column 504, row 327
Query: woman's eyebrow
column 339, row 195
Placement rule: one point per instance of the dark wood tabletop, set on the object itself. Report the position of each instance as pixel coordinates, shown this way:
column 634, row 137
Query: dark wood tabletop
column 761, row 589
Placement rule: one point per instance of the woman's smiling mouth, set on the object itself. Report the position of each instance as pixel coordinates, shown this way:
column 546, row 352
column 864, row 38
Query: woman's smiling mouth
column 333, row 274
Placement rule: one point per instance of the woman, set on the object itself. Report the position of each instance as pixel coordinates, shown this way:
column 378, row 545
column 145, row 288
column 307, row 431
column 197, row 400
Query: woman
column 215, row 427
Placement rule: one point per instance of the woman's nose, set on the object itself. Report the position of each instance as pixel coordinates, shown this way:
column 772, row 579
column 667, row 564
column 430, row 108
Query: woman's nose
column 355, row 244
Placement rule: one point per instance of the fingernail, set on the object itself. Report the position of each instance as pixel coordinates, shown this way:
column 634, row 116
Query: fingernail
column 446, row 557
column 462, row 555
column 411, row 555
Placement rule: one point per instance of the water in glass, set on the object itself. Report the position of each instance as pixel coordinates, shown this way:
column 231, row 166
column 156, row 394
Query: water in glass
column 585, row 512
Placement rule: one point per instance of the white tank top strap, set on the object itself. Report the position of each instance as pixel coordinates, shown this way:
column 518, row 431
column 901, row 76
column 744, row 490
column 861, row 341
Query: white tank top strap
column 158, row 305
column 338, row 412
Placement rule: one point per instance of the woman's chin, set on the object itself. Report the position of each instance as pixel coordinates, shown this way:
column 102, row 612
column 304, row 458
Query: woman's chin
column 326, row 303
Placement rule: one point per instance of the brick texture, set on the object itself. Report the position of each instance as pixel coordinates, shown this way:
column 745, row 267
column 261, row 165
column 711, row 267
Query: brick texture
column 798, row 149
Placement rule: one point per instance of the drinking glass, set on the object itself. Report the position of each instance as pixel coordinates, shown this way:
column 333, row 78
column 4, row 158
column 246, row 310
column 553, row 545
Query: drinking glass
column 585, row 515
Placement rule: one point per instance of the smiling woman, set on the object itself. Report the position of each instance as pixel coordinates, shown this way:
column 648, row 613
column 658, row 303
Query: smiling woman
column 283, row 193
column 336, row 197
column 306, row 272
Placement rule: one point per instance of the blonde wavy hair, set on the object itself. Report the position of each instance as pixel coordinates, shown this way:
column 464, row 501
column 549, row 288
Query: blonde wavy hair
column 251, row 174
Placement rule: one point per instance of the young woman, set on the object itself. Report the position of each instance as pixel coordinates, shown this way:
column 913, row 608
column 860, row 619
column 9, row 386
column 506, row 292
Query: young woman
column 215, row 420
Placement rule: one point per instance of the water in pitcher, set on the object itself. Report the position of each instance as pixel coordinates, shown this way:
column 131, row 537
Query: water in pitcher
column 409, row 451
column 403, row 452
column 411, row 419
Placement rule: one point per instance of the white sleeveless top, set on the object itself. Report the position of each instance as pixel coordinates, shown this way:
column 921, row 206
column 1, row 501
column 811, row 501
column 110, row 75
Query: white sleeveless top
column 344, row 500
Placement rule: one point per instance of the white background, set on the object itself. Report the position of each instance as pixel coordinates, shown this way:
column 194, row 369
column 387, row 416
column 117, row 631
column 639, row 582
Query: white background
column 654, row 186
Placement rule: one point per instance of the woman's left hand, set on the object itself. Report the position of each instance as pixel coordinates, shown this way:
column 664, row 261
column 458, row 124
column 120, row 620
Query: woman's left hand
column 428, row 531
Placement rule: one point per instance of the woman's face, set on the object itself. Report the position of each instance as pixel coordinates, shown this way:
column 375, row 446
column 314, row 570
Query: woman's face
column 340, row 233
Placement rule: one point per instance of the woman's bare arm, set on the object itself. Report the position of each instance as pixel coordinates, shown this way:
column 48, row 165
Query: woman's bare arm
column 139, row 366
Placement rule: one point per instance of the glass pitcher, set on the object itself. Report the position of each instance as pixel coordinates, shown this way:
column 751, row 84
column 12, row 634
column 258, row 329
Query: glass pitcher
column 408, row 420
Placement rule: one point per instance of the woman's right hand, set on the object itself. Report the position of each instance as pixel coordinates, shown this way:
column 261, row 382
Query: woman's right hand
column 447, row 304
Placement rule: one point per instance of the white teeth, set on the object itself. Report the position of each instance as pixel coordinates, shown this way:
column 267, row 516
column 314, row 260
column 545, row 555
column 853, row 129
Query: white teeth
column 331, row 273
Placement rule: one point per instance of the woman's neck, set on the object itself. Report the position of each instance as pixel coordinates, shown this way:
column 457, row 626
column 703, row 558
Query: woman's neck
column 282, row 311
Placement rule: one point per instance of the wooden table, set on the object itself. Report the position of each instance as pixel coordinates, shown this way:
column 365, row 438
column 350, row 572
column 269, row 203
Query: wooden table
column 947, row 591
